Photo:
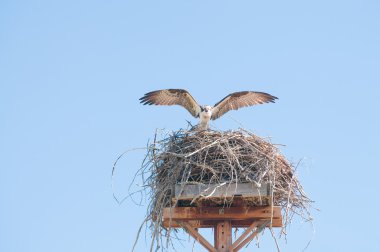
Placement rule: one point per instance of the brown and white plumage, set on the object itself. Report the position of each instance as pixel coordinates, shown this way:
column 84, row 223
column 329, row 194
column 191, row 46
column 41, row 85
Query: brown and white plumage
column 183, row 98
column 238, row 100
column 172, row 97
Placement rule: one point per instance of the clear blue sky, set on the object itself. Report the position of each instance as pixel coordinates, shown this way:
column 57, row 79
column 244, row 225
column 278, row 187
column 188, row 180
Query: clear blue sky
column 71, row 73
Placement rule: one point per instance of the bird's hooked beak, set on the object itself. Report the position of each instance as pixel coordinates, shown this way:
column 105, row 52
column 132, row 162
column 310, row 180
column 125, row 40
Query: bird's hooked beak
column 205, row 109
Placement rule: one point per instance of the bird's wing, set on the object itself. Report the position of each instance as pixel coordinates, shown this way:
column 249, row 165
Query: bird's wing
column 238, row 100
column 172, row 97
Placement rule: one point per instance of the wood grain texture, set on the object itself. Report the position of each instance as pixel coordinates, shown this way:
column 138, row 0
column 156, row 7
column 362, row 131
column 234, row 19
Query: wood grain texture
column 167, row 223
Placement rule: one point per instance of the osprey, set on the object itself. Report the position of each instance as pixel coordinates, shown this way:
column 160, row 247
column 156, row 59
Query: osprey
column 206, row 113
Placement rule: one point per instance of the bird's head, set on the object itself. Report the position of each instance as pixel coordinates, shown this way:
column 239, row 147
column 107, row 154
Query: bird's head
column 206, row 110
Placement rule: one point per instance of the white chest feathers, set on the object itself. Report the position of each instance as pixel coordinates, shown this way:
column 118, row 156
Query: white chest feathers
column 205, row 116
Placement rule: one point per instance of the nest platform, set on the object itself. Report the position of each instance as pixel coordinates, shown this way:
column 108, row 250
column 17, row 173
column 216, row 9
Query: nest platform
column 220, row 180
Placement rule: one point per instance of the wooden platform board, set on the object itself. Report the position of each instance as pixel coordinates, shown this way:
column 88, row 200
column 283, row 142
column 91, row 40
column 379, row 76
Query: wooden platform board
column 211, row 224
column 206, row 217
column 222, row 207
column 222, row 219
column 189, row 191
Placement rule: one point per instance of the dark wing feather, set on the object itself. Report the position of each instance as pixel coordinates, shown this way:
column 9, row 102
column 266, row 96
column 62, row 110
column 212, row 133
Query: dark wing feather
column 172, row 97
column 238, row 100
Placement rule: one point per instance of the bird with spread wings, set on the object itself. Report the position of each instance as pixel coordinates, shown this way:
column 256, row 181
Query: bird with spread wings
column 206, row 113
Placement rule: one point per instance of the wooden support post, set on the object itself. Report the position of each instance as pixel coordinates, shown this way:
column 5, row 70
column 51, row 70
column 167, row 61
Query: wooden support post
column 255, row 219
column 223, row 236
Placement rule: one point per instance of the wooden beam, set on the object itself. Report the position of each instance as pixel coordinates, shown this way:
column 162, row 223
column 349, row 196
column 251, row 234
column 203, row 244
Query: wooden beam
column 197, row 236
column 223, row 236
column 239, row 246
column 167, row 223
column 221, row 213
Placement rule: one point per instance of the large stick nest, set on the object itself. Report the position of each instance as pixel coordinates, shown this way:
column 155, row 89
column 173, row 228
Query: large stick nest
column 215, row 157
